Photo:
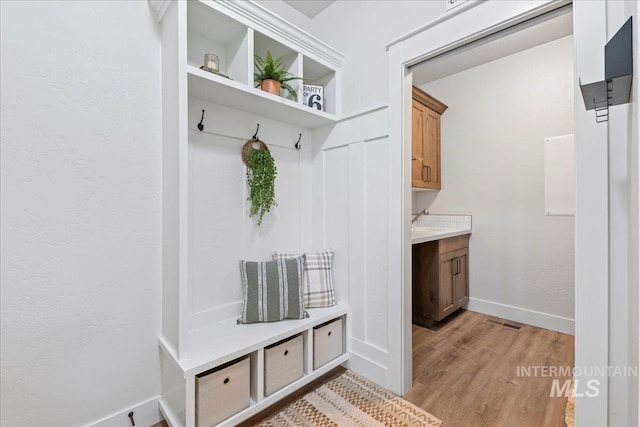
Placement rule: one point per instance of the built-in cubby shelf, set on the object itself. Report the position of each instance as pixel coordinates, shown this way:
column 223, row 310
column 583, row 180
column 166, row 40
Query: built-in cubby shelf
column 217, row 344
column 212, row 29
column 200, row 305
column 221, row 342
column 218, row 90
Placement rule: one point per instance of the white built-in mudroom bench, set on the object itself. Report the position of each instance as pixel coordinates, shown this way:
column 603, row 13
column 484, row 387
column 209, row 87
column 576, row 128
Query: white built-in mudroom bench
column 215, row 371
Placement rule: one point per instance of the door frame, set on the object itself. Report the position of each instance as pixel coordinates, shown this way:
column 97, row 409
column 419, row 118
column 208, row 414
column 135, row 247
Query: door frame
column 465, row 24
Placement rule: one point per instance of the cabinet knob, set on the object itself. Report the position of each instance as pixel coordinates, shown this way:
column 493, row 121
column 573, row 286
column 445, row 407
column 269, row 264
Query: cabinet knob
column 226, row 380
column 286, row 352
column 329, row 334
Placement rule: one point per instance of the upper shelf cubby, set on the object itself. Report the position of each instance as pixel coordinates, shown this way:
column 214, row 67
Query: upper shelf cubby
column 317, row 74
column 209, row 31
column 237, row 31
column 291, row 60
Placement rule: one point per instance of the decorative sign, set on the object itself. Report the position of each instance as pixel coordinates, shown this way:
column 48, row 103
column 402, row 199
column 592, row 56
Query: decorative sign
column 313, row 96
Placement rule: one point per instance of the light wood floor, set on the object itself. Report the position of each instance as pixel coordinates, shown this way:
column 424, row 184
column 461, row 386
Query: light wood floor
column 465, row 373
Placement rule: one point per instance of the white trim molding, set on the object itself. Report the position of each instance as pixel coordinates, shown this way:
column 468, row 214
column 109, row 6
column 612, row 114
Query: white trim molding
column 146, row 413
column 256, row 16
column 477, row 20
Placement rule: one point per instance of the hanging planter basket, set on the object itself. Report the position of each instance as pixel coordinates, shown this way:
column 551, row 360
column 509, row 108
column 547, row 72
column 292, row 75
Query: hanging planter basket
column 252, row 144
column 261, row 176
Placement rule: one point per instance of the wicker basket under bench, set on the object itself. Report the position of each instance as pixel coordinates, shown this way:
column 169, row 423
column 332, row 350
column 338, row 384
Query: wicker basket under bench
column 237, row 371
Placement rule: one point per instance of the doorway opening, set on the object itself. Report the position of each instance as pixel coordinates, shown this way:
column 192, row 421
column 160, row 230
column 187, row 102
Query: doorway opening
column 508, row 124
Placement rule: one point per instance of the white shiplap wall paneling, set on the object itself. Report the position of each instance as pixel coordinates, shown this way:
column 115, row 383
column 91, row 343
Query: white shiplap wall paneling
column 221, row 232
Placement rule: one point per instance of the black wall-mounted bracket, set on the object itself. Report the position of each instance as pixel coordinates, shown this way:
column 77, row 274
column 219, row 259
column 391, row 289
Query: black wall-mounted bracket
column 615, row 89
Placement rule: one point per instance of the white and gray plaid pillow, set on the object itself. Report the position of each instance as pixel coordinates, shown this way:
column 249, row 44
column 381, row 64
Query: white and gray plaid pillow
column 318, row 278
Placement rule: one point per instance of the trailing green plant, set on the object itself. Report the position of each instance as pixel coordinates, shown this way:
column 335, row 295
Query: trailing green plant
column 272, row 69
column 261, row 178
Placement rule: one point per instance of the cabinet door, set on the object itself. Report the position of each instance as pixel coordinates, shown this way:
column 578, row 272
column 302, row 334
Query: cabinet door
column 446, row 296
column 431, row 150
column 418, row 122
column 461, row 278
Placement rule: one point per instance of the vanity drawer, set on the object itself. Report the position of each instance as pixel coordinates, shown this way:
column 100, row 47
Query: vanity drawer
column 327, row 342
column 451, row 244
column 283, row 364
column 222, row 392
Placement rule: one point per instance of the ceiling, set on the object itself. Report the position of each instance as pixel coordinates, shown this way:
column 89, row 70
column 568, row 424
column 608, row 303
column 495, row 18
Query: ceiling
column 494, row 47
column 309, row 7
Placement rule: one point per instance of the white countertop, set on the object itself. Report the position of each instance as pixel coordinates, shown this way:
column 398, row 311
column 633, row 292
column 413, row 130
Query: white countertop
column 429, row 234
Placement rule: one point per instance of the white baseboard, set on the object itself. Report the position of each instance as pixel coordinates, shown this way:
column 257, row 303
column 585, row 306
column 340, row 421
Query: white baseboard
column 368, row 368
column 523, row 315
column 145, row 414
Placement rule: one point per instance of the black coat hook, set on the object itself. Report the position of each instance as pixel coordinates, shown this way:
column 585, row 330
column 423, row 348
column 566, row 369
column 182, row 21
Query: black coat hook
column 255, row 135
column 298, row 146
column 200, row 125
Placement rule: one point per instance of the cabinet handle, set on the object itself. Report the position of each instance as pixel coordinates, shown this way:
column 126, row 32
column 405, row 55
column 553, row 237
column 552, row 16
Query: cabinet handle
column 286, row 352
column 456, row 269
column 329, row 334
column 226, row 380
column 428, row 169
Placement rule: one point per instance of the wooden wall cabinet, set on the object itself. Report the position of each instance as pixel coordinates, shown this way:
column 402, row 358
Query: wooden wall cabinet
column 440, row 279
column 425, row 131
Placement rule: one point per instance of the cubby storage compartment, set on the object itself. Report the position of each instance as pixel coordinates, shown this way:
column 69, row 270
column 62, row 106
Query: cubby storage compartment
column 222, row 392
column 315, row 73
column 291, row 61
column 209, row 31
column 283, row 364
column 327, row 342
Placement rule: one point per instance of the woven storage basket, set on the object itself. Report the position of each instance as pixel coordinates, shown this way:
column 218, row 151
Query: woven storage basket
column 248, row 146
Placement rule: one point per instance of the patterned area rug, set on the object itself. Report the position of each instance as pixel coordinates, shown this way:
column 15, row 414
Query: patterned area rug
column 350, row 400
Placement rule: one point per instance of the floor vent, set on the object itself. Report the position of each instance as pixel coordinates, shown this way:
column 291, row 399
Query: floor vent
column 509, row 325
column 506, row 325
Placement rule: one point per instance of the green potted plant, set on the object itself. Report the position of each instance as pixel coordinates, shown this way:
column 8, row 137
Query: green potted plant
column 271, row 76
column 261, row 177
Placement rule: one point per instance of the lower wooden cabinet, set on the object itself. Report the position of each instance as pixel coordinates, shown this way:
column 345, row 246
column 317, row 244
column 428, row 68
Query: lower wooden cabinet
column 440, row 279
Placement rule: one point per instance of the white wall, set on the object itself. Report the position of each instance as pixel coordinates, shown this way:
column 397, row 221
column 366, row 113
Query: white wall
column 361, row 30
column 623, row 235
column 351, row 168
column 350, row 214
column 80, row 211
column 221, row 232
column 493, row 168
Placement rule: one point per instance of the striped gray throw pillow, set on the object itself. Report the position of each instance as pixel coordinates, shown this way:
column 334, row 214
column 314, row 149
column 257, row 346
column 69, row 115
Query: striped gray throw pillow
column 318, row 278
column 272, row 290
